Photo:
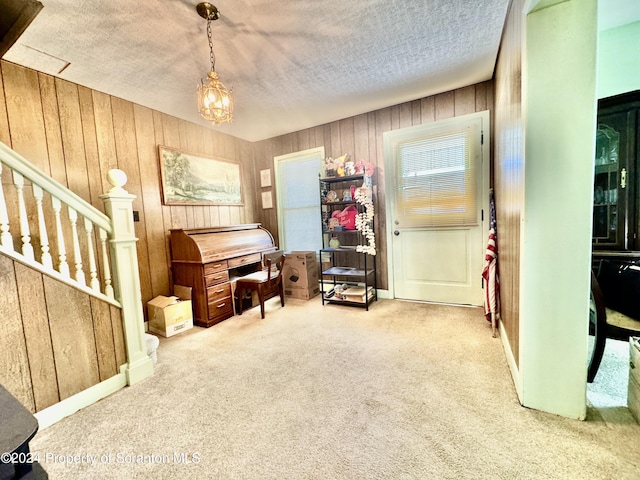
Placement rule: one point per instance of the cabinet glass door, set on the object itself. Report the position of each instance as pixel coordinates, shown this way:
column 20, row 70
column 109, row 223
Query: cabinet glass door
column 610, row 182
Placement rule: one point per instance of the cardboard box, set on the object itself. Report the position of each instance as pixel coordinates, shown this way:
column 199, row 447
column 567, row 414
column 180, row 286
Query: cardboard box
column 298, row 277
column 169, row 316
column 300, row 270
column 182, row 292
column 357, row 294
column 300, row 257
column 302, row 293
column 633, row 388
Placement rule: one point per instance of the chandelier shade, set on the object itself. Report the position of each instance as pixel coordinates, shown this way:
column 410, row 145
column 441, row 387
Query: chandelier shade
column 215, row 100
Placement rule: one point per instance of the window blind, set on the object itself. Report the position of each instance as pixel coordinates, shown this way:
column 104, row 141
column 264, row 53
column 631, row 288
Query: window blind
column 299, row 201
column 436, row 181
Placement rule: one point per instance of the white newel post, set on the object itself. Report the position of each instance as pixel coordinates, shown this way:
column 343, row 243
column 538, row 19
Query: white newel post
column 118, row 204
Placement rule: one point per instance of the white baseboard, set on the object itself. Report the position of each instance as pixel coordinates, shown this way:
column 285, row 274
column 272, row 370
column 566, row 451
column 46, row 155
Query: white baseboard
column 511, row 362
column 91, row 395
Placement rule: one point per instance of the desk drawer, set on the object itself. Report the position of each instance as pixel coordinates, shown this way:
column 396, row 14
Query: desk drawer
column 221, row 308
column 244, row 260
column 214, row 267
column 216, row 278
column 218, row 292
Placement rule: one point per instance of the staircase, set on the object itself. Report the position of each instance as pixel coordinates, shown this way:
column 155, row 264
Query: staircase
column 73, row 325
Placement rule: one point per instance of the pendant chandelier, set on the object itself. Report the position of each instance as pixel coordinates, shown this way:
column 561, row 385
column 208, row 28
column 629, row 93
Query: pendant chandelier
column 215, row 101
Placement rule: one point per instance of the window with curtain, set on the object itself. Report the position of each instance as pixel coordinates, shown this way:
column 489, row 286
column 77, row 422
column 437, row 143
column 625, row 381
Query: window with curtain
column 436, row 180
column 298, row 194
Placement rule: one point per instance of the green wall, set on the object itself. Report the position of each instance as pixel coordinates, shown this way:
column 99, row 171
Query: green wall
column 618, row 60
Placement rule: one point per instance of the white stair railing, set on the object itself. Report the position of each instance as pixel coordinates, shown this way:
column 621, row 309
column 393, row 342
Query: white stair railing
column 34, row 208
column 34, row 205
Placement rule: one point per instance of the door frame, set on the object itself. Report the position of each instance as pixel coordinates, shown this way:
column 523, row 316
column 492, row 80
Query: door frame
column 486, row 175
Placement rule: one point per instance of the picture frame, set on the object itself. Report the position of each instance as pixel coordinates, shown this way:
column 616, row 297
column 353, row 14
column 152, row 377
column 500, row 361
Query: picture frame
column 267, row 200
column 190, row 179
column 265, row 178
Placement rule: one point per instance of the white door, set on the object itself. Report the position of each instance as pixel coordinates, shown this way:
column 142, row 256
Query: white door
column 436, row 186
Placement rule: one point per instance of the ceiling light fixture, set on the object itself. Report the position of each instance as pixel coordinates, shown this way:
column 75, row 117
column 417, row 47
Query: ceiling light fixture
column 215, row 101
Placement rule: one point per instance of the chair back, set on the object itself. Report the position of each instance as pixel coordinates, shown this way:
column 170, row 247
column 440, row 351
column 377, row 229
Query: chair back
column 274, row 259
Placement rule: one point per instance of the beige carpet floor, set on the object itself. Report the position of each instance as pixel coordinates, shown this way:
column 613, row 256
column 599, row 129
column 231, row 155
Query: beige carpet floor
column 404, row 391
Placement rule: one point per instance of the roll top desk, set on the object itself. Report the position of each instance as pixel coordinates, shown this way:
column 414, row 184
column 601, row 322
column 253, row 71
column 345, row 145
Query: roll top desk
column 208, row 260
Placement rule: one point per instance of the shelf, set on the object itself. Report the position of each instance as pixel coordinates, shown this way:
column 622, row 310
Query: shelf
column 606, row 168
column 339, row 301
column 331, row 232
column 370, row 297
column 347, row 272
column 341, row 179
column 345, row 265
column 616, row 253
column 339, row 202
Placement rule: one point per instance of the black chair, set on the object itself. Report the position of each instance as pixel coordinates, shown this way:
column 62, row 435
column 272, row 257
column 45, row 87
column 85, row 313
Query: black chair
column 615, row 301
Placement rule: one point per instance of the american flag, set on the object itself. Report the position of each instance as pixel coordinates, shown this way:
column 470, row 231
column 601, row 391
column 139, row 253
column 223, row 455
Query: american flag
column 490, row 271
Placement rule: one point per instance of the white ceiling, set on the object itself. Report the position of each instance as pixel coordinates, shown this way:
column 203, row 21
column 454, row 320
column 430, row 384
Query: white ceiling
column 292, row 64
column 614, row 13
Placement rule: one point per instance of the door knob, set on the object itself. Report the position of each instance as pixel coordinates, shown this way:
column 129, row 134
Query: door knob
column 396, row 233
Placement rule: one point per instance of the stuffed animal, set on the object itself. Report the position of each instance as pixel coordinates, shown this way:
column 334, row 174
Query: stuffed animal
column 364, row 167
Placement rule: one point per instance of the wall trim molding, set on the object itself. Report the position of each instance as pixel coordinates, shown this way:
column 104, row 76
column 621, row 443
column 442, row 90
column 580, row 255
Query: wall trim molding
column 511, row 362
column 72, row 404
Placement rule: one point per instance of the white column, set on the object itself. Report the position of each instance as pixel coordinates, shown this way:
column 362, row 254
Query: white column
column 118, row 205
column 559, row 113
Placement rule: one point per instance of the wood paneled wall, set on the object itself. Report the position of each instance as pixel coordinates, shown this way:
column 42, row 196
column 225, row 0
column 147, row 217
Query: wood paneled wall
column 509, row 170
column 76, row 135
column 361, row 136
column 55, row 340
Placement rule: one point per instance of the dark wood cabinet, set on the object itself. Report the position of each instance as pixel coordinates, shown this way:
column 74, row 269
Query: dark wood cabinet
column 616, row 222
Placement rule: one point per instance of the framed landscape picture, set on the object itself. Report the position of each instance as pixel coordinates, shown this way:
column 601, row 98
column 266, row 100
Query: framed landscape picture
column 189, row 179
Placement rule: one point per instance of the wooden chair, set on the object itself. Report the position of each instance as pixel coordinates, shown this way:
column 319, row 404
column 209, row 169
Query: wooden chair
column 606, row 323
column 268, row 283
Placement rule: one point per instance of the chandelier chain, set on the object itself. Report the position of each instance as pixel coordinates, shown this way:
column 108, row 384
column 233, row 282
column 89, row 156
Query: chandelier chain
column 215, row 100
column 212, row 57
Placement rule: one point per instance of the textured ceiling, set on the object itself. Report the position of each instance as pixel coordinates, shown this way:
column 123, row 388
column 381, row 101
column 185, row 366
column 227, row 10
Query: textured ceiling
column 292, row 64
